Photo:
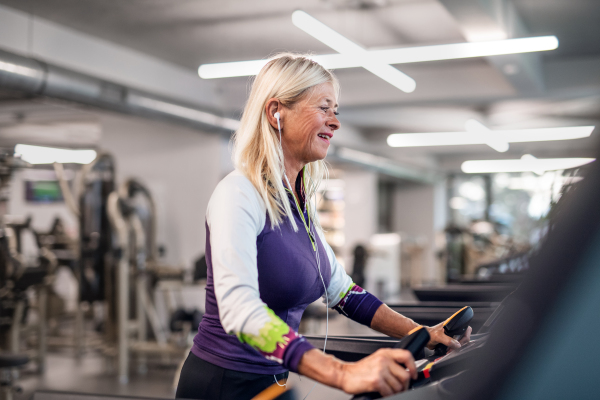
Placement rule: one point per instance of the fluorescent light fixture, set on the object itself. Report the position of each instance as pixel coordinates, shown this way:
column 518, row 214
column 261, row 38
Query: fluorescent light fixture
column 342, row 45
column 325, row 34
column 525, row 164
column 491, row 139
column 464, row 50
column 395, row 56
column 49, row 155
column 529, row 157
column 508, row 136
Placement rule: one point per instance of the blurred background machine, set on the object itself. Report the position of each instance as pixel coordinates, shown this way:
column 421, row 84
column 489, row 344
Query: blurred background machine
column 138, row 273
column 95, row 292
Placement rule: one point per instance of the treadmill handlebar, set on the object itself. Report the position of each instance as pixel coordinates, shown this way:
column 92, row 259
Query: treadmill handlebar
column 456, row 326
column 414, row 342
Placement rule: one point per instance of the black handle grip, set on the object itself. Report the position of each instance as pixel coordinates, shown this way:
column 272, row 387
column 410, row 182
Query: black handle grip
column 415, row 342
column 455, row 326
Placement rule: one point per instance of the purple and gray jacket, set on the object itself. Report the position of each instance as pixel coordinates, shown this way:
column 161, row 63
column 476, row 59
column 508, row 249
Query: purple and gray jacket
column 260, row 281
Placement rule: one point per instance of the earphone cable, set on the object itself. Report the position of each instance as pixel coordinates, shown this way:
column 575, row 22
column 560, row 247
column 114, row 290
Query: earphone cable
column 313, row 241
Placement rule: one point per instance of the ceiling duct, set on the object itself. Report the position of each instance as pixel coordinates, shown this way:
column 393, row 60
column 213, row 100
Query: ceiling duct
column 384, row 165
column 38, row 78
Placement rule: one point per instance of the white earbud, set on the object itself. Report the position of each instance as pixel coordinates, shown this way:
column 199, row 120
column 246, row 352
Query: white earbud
column 277, row 115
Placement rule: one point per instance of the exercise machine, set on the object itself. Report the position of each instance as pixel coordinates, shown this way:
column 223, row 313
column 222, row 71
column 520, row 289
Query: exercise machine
column 540, row 341
column 431, row 313
column 132, row 214
column 15, row 278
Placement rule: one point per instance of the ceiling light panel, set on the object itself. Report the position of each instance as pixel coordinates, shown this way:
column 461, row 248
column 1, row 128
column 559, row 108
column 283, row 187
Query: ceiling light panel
column 469, row 138
column 490, row 138
column 392, row 56
column 49, row 155
column 525, row 164
column 345, row 46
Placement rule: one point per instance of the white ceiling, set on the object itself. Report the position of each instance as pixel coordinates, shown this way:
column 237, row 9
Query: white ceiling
column 191, row 32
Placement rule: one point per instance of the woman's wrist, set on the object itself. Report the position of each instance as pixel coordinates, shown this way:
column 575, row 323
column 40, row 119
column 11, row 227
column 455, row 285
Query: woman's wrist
column 323, row 368
column 391, row 323
column 412, row 325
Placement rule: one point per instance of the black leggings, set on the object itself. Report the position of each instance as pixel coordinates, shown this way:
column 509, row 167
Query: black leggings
column 200, row 379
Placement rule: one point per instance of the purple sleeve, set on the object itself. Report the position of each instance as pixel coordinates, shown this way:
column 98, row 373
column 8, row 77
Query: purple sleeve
column 294, row 352
column 358, row 305
column 287, row 350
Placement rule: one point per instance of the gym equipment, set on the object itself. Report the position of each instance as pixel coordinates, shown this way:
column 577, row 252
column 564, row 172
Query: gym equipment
column 117, row 243
column 97, row 182
column 464, row 293
column 455, row 327
column 431, row 313
column 92, row 264
column 438, row 365
column 39, row 277
column 414, row 342
column 8, row 362
column 17, row 275
column 543, row 343
column 506, row 270
column 540, row 338
column 137, row 256
column 492, row 282
column 432, row 366
column 15, row 278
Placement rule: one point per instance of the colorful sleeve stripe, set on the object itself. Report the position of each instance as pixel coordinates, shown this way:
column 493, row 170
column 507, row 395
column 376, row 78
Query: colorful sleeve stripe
column 358, row 305
column 278, row 342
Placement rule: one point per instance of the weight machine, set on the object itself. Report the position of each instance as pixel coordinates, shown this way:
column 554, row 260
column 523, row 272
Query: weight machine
column 132, row 214
column 16, row 278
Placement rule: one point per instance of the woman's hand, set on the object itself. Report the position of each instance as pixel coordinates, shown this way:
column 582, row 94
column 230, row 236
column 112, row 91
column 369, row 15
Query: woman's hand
column 438, row 336
column 380, row 372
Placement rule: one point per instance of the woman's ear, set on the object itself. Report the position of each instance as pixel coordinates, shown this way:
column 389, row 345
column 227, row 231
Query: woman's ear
column 272, row 107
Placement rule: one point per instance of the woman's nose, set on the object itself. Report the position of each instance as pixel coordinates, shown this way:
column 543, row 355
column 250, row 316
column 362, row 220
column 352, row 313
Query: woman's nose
column 334, row 123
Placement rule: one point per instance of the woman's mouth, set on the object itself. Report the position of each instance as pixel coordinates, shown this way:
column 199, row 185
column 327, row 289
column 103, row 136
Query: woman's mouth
column 324, row 137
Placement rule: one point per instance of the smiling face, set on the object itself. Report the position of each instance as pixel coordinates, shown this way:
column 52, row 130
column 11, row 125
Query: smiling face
column 308, row 125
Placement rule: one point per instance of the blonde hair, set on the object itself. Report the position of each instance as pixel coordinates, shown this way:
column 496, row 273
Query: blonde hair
column 256, row 150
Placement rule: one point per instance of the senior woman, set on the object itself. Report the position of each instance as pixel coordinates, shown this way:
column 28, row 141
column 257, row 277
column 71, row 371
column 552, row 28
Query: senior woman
column 268, row 260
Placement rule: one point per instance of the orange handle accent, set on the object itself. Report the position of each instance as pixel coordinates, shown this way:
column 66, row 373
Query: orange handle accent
column 454, row 315
column 414, row 330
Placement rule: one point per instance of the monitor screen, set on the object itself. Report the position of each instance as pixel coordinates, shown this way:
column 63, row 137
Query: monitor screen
column 43, row 192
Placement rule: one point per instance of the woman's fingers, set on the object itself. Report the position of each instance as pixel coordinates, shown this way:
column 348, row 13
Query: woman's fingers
column 406, row 358
column 383, row 371
column 451, row 343
column 401, row 374
column 438, row 336
column 441, row 337
column 393, row 382
column 466, row 337
column 385, row 389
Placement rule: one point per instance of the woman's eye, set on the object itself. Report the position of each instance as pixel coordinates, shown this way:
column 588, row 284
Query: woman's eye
column 325, row 109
